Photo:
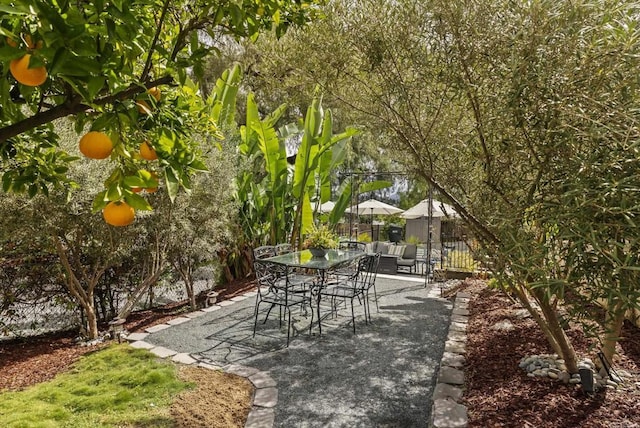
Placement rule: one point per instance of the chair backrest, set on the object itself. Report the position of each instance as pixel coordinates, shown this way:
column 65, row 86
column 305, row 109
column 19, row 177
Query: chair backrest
column 410, row 251
column 283, row 249
column 268, row 274
column 264, row 252
column 352, row 245
column 367, row 270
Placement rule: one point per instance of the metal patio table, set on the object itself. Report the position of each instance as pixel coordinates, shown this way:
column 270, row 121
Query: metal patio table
column 333, row 259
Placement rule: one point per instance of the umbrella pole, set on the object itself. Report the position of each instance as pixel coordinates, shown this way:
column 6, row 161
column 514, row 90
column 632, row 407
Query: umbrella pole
column 429, row 237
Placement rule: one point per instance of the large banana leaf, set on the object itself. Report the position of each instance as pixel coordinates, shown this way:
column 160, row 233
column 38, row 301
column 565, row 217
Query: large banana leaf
column 224, row 97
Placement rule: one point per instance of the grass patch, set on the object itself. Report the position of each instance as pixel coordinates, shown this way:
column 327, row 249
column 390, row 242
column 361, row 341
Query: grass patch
column 118, row 386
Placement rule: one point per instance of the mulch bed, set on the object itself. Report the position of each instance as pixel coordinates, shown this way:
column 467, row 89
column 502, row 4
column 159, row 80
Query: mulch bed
column 30, row 360
column 499, row 394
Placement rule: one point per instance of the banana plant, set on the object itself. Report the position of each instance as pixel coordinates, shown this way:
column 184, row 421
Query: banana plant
column 261, row 141
column 314, row 161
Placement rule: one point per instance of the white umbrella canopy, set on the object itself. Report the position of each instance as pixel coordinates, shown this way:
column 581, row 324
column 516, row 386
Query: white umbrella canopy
column 439, row 209
column 326, row 207
column 373, row 206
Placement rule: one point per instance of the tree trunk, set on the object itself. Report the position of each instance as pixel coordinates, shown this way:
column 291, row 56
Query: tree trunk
column 137, row 294
column 613, row 326
column 83, row 295
column 551, row 327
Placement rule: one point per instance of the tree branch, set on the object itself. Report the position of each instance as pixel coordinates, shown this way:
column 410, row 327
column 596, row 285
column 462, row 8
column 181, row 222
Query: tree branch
column 71, row 107
column 154, row 42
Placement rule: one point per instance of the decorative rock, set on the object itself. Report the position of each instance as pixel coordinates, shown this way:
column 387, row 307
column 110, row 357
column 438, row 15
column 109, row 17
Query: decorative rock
column 553, row 375
column 157, row 328
column 574, row 381
column 240, row 370
column 449, row 414
column 451, row 376
column 564, row 377
column 262, row 380
column 443, row 390
column 455, row 347
column 266, row 397
column 179, row 320
column 184, row 358
column 132, row 337
column 162, row 352
column 504, row 325
column 611, row 383
column 452, row 360
column 141, row 344
column 260, row 418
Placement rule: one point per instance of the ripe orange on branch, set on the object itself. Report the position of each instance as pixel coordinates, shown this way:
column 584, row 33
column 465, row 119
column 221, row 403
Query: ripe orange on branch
column 118, row 214
column 155, row 93
column 96, row 145
column 27, row 76
column 147, row 152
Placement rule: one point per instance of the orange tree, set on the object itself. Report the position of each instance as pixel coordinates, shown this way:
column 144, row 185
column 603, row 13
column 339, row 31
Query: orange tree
column 107, row 65
column 119, row 68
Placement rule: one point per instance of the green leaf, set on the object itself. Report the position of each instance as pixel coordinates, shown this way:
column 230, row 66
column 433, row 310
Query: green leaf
column 114, row 192
column 134, row 181
column 172, row 183
column 95, row 85
column 137, row 202
column 99, row 201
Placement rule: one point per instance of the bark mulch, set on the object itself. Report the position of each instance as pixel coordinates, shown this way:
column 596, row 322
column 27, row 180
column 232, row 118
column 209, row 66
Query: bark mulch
column 499, row 394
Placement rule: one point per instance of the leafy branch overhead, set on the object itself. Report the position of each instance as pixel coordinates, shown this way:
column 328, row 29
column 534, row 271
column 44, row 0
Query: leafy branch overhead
column 121, row 68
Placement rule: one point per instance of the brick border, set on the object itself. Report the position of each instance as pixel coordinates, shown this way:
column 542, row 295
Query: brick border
column 265, row 397
column 446, row 410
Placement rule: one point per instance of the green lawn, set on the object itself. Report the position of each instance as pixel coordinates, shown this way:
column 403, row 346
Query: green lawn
column 117, row 386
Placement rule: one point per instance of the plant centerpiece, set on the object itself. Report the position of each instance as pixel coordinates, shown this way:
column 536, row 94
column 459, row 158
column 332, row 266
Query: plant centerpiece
column 319, row 240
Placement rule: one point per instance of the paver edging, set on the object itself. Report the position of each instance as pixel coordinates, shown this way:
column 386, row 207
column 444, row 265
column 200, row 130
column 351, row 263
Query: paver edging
column 446, row 410
column 265, row 394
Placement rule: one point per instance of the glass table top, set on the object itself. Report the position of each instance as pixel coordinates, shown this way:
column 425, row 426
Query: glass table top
column 304, row 259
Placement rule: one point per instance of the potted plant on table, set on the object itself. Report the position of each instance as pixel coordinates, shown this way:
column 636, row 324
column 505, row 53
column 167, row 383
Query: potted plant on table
column 319, row 240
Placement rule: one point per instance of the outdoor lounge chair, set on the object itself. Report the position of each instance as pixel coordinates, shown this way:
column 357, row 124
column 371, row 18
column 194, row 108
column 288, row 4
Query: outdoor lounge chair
column 408, row 258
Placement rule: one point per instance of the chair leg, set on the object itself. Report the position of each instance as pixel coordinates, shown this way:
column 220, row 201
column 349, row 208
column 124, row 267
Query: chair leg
column 353, row 317
column 255, row 316
column 319, row 317
column 288, row 324
column 375, row 296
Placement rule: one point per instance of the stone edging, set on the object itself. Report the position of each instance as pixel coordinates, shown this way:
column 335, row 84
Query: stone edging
column 265, row 398
column 446, row 410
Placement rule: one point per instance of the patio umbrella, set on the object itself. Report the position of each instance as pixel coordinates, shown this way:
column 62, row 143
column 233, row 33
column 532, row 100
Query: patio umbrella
column 326, row 207
column 374, row 206
column 439, row 209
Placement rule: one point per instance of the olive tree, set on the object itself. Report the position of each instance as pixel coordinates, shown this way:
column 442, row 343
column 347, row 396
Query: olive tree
column 521, row 115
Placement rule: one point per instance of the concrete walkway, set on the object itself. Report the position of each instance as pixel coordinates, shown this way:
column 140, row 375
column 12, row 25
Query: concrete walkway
column 383, row 376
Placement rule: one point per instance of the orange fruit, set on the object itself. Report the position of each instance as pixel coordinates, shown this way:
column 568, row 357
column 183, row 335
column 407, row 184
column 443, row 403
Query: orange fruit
column 118, row 214
column 96, row 145
column 154, row 92
column 27, row 76
column 147, row 152
column 136, row 189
